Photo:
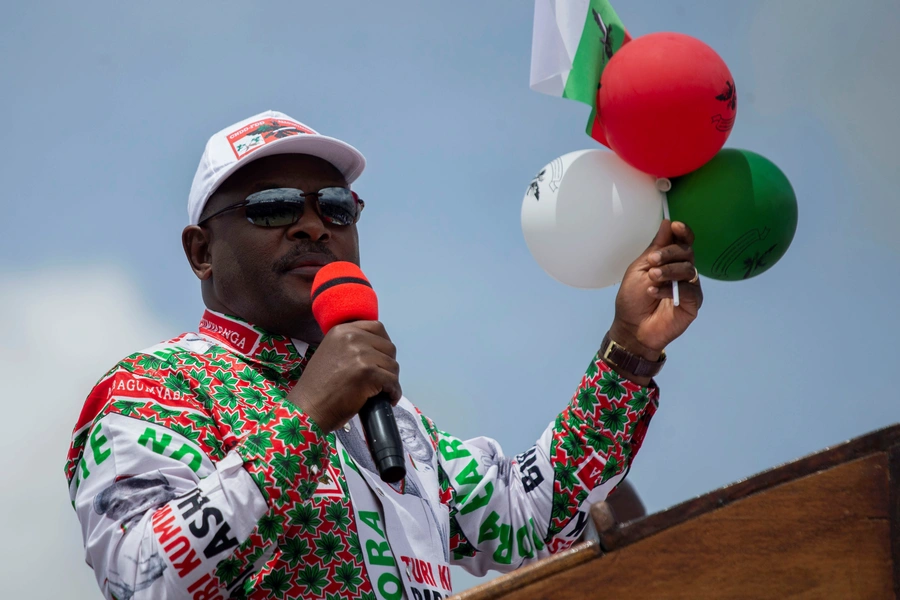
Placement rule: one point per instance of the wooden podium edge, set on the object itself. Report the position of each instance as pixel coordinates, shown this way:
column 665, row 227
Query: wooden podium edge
column 604, row 535
column 882, row 440
column 894, row 475
column 563, row 561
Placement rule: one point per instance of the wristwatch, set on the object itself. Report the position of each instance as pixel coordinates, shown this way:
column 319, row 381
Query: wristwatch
column 619, row 357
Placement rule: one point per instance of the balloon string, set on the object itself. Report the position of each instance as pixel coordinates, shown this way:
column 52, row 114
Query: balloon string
column 675, row 297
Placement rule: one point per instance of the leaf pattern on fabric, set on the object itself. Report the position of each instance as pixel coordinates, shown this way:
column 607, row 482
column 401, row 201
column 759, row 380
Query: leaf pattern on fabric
column 605, row 421
column 221, row 397
column 308, row 545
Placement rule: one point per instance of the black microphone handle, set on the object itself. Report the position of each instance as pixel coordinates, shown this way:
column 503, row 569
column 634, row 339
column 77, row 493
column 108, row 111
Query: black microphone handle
column 383, row 437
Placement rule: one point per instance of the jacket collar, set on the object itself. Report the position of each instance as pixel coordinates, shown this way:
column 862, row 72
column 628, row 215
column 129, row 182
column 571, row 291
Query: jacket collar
column 277, row 352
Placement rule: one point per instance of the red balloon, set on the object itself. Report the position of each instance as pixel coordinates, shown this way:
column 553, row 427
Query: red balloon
column 667, row 102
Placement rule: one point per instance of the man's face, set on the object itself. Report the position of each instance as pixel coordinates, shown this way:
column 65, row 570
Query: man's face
column 133, row 495
column 412, row 438
column 265, row 274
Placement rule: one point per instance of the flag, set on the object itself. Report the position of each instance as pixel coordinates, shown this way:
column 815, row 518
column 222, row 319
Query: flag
column 571, row 44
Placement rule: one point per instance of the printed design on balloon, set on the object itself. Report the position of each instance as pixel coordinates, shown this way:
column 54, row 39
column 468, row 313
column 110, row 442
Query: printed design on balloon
column 757, row 261
column 722, row 124
column 729, row 97
column 556, row 173
column 534, row 187
column 738, row 247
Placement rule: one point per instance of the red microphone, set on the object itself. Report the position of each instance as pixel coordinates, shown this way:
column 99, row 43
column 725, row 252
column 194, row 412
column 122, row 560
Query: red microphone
column 341, row 294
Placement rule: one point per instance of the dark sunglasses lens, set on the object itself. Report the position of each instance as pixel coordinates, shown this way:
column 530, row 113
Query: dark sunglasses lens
column 275, row 208
column 274, row 214
column 338, row 206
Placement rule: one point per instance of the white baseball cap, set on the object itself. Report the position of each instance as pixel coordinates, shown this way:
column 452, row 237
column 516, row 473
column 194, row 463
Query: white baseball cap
column 265, row 134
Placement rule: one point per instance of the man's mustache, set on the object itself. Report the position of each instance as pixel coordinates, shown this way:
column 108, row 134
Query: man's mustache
column 286, row 262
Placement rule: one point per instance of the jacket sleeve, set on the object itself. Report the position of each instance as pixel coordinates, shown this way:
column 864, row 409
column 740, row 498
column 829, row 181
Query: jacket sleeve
column 507, row 512
column 159, row 518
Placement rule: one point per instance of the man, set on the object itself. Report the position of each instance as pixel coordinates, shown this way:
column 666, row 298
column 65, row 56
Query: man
column 250, row 421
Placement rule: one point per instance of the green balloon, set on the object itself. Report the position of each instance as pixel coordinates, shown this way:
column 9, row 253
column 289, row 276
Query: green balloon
column 743, row 212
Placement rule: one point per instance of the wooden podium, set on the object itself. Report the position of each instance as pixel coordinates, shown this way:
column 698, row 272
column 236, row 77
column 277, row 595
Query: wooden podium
column 823, row 526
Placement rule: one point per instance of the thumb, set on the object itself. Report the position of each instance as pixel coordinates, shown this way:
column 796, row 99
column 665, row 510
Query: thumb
column 663, row 237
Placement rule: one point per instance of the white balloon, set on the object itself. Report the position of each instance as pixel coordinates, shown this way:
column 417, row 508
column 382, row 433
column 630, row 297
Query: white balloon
column 587, row 215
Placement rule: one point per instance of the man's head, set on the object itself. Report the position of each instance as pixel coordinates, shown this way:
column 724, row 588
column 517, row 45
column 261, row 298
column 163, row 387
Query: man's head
column 413, row 440
column 133, row 495
column 264, row 273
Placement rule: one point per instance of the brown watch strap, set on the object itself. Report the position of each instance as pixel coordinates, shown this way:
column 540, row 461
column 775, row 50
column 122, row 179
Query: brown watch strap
column 621, row 358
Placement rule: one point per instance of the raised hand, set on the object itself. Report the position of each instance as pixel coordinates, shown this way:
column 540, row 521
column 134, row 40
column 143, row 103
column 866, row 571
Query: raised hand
column 647, row 319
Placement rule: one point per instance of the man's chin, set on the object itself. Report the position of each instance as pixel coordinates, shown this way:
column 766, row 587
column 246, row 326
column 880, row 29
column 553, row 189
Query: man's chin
column 291, row 302
column 297, row 284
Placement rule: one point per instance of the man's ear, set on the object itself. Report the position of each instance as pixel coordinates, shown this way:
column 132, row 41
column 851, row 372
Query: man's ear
column 195, row 241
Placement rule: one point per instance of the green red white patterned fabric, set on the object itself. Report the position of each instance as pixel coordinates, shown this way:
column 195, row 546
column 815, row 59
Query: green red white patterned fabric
column 193, row 477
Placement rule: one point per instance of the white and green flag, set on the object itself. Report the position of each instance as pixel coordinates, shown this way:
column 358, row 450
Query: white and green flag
column 573, row 41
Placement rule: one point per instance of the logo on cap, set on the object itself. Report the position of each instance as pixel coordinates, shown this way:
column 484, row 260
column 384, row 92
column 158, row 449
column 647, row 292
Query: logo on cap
column 259, row 133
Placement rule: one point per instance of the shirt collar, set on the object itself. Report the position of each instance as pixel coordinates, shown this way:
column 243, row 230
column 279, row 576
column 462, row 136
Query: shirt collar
column 278, row 352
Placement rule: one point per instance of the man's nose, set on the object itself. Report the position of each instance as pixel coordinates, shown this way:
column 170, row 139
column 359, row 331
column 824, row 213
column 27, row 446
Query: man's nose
column 309, row 225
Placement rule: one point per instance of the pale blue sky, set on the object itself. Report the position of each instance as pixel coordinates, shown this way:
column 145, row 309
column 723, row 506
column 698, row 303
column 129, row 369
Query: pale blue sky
column 108, row 105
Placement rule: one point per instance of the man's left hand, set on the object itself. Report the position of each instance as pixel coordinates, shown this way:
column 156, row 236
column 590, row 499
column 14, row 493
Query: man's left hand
column 647, row 319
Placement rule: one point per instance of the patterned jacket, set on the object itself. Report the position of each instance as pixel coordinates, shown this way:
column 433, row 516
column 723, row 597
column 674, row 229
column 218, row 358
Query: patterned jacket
column 193, row 477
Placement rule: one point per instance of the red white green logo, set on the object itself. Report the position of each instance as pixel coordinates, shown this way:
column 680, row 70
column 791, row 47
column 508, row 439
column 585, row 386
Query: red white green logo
column 259, row 133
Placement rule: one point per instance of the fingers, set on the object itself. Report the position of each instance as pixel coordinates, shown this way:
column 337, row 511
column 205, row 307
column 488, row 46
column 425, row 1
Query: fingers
column 383, row 368
column 378, row 372
column 376, row 354
column 385, row 346
column 663, row 235
column 683, row 233
column 390, row 385
column 670, row 232
column 690, row 294
column 377, row 357
column 671, row 253
column 385, row 373
column 375, row 327
column 675, row 262
column 366, row 333
column 679, row 271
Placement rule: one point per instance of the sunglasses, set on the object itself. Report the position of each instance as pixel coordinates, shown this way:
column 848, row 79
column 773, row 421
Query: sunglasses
column 284, row 206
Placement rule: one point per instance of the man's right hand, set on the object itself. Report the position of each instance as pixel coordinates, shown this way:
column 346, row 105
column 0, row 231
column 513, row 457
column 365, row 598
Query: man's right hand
column 354, row 362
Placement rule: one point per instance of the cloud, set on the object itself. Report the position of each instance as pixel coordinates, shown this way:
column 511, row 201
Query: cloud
column 838, row 61
column 63, row 328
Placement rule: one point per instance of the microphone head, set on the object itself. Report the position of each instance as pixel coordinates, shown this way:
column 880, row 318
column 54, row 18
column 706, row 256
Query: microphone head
column 341, row 293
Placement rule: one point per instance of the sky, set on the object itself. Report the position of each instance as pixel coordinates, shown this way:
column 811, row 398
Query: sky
column 108, row 106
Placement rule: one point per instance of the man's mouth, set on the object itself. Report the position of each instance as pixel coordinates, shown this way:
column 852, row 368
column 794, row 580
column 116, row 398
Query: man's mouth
column 306, row 265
